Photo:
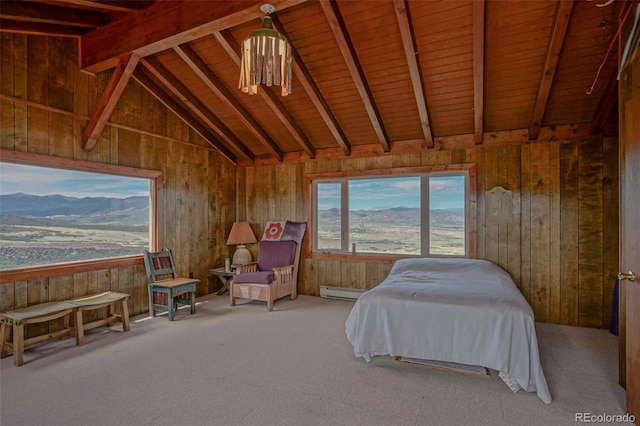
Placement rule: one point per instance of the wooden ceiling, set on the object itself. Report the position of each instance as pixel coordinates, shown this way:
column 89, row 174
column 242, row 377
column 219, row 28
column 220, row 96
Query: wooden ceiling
column 374, row 75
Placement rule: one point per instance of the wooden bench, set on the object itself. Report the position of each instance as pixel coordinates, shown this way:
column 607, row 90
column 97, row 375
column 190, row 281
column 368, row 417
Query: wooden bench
column 97, row 301
column 15, row 320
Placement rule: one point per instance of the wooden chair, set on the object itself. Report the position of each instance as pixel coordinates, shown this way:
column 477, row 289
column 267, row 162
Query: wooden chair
column 166, row 289
column 274, row 275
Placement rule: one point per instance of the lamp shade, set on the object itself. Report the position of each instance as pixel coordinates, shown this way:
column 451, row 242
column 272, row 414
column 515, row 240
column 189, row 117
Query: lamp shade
column 241, row 233
column 266, row 58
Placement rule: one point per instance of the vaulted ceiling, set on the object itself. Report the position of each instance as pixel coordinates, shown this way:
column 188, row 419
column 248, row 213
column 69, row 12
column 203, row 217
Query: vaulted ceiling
column 368, row 75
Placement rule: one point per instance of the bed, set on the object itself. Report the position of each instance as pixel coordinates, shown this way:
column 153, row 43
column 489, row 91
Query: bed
column 465, row 311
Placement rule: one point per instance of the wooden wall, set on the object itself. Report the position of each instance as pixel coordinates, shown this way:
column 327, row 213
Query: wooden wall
column 45, row 102
column 561, row 247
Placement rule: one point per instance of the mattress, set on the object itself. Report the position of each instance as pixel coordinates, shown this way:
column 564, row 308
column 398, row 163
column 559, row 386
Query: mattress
column 467, row 311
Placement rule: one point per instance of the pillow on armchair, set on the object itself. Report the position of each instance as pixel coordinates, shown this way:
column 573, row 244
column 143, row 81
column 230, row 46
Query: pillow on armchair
column 294, row 231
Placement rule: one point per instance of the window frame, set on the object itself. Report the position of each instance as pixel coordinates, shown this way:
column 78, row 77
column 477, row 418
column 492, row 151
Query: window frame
column 156, row 218
column 471, row 208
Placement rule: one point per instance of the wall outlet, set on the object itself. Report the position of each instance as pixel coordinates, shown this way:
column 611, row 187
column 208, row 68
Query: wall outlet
column 190, row 274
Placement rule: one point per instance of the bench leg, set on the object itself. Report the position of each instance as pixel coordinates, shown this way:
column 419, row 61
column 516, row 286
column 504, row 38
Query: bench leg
column 65, row 325
column 79, row 327
column 124, row 315
column 5, row 332
column 18, row 344
column 193, row 302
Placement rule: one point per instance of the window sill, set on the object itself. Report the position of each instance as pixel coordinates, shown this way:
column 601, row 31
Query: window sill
column 358, row 257
column 376, row 258
column 59, row 269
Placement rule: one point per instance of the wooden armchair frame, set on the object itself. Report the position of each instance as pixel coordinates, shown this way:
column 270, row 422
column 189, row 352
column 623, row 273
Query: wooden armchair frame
column 285, row 283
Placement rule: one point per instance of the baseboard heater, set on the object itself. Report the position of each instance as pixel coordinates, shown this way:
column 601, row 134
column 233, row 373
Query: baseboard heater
column 340, row 293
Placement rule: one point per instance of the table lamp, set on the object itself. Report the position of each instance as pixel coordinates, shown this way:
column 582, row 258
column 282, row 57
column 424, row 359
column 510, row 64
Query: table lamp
column 241, row 234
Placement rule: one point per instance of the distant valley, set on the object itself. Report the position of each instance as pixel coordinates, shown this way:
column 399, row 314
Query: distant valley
column 395, row 230
column 54, row 228
column 38, row 230
column 62, row 210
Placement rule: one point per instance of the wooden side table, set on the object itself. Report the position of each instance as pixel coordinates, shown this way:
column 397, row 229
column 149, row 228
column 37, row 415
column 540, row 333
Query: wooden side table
column 224, row 277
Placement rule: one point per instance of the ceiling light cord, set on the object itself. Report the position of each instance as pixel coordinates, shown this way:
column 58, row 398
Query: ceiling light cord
column 615, row 37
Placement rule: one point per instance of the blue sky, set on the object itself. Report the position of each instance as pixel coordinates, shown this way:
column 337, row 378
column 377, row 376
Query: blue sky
column 46, row 181
column 376, row 194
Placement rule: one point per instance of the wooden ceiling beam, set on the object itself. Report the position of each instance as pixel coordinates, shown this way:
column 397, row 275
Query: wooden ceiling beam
column 339, row 29
column 109, row 100
column 34, row 28
column 410, row 52
column 558, row 33
column 309, row 86
column 193, row 104
column 46, row 14
column 145, row 79
column 101, row 5
column 163, row 25
column 191, row 58
column 478, row 70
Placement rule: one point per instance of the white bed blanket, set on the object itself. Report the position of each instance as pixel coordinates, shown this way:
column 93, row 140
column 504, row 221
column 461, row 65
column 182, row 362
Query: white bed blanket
column 467, row 311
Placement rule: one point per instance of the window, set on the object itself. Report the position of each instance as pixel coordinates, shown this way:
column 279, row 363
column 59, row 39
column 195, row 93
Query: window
column 400, row 212
column 67, row 213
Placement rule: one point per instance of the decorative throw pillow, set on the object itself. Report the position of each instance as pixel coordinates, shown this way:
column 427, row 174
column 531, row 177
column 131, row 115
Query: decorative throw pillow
column 273, row 231
column 294, row 231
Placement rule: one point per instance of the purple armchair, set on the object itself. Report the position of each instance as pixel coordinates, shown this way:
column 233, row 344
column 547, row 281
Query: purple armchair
column 275, row 273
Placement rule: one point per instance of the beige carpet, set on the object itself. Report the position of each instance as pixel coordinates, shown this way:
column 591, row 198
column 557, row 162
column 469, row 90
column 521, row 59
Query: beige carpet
column 293, row 366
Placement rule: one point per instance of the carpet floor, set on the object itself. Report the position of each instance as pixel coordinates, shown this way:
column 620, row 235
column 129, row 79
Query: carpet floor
column 293, row 366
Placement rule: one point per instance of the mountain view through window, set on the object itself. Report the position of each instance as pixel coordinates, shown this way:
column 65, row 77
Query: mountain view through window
column 50, row 216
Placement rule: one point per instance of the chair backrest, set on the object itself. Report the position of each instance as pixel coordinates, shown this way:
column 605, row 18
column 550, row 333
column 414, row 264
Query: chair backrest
column 295, row 231
column 159, row 265
column 275, row 253
column 286, row 231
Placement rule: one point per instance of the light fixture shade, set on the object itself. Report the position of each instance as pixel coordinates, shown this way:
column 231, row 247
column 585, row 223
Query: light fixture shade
column 241, row 233
column 266, row 59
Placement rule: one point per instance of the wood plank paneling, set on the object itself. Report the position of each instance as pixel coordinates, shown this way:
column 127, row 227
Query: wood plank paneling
column 37, row 292
column 43, row 70
column 540, row 230
column 590, row 235
column 513, row 243
column 7, row 78
column 550, row 247
column 569, row 225
column 559, row 248
column 37, row 78
column 554, row 229
column 491, row 242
